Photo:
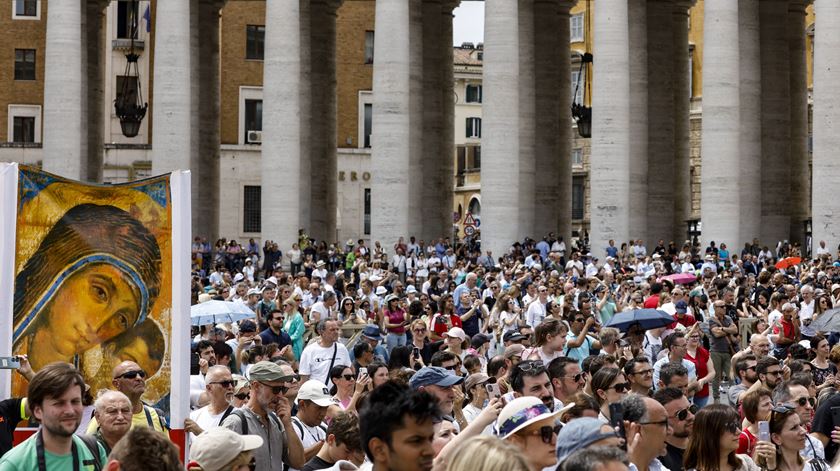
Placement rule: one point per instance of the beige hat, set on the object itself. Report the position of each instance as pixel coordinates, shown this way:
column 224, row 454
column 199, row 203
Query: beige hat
column 456, row 332
column 204, row 297
column 217, row 447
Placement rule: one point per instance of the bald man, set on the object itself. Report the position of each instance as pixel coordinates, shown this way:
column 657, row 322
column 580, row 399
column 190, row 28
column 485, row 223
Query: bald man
column 759, row 346
column 130, row 379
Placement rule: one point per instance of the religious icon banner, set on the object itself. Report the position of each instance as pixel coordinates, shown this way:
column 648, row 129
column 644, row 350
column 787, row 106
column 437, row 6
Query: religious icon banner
column 93, row 278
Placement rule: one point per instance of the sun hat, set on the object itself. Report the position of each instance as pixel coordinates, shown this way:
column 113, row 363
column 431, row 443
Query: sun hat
column 520, row 413
column 380, row 290
column 218, row 446
column 456, row 332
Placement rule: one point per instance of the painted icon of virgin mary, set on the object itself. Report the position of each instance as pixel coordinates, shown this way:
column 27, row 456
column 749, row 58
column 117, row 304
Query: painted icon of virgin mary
column 95, row 275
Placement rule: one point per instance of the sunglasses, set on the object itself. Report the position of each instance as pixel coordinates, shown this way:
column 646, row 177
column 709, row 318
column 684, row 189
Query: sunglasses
column 228, row 383
column 450, row 367
column 683, row 414
column 132, row 374
column 252, row 465
column 419, row 331
column 529, row 366
column 242, row 397
column 349, row 377
column 576, row 378
column 620, row 387
column 276, row 389
column 802, row 401
column 548, row 433
column 733, row 428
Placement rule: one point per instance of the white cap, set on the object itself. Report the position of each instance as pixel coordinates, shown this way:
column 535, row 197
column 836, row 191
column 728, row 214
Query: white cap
column 317, row 392
column 456, row 332
column 239, row 277
column 253, row 291
column 380, row 290
column 218, row 446
column 410, row 289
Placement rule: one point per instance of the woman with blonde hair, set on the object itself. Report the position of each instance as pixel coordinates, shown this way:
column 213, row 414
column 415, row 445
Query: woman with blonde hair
column 487, row 453
column 294, row 326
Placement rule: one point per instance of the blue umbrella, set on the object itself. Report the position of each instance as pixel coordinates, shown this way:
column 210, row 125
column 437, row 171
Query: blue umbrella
column 214, row 312
column 645, row 318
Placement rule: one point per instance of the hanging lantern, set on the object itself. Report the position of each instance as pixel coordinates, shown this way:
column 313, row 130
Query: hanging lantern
column 129, row 105
column 581, row 113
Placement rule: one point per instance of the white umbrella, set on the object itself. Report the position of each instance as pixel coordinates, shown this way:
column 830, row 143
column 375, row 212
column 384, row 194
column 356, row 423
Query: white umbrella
column 215, row 312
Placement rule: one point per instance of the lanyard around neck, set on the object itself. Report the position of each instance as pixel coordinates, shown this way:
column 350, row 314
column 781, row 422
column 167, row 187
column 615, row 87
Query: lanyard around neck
column 42, row 459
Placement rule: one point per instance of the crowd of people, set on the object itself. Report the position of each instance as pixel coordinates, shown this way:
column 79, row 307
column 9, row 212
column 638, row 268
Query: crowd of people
column 441, row 356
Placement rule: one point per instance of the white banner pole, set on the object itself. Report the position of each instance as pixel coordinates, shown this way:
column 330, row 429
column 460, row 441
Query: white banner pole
column 8, row 219
column 179, row 400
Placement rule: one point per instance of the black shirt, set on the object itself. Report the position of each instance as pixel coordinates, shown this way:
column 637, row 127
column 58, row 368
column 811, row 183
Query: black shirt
column 9, row 417
column 824, row 423
column 673, row 457
column 316, row 463
column 268, row 336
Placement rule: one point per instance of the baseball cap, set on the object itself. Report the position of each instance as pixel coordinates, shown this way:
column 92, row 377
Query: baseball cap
column 380, row 290
column 410, row 289
column 253, row 291
column 372, row 331
column 456, row 332
column 473, row 379
column 247, row 326
column 218, row 446
column 514, row 350
column 520, row 413
column 512, row 336
column 681, row 307
column 578, row 434
column 317, row 392
column 267, row 371
column 434, row 375
column 241, row 383
column 478, row 340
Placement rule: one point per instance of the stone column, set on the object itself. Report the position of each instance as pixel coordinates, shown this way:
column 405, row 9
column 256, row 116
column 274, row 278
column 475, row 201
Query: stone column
column 500, row 164
column 447, row 138
column 775, row 122
column 324, row 166
column 640, row 177
column 564, row 136
column 416, row 141
column 527, row 116
column 309, row 179
column 610, row 158
column 95, row 90
column 549, row 36
column 65, row 82
column 172, row 111
column 750, row 116
column 800, row 174
column 206, row 171
column 281, row 123
column 434, row 151
column 682, row 109
column 720, row 210
column 661, row 169
column 825, row 205
column 391, row 123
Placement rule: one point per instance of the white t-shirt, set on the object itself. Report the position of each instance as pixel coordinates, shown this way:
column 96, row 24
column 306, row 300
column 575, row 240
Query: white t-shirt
column 204, row 419
column 535, row 314
column 315, row 361
column 308, row 436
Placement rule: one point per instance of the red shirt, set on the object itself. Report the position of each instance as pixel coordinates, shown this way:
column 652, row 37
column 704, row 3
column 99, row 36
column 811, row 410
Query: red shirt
column 652, row 302
column 700, row 362
column 440, row 324
column 787, row 326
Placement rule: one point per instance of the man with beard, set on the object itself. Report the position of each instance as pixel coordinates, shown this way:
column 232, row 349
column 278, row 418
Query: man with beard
column 567, row 379
column 396, row 425
column 440, row 383
column 55, row 397
column 268, row 414
column 680, row 424
column 746, row 372
column 769, row 372
column 529, row 378
column 219, row 390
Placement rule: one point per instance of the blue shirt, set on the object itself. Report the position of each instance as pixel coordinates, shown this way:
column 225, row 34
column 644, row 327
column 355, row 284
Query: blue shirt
column 268, row 336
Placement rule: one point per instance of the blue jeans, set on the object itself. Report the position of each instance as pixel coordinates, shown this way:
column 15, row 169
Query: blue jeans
column 394, row 340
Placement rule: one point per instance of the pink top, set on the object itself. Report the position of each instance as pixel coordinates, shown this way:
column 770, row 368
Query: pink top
column 395, row 317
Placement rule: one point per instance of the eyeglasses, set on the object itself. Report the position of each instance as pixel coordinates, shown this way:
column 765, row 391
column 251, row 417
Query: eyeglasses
column 449, row 367
column 419, row 331
column 620, row 387
column 802, row 401
column 576, row 378
column 774, row 373
column 683, row 414
column 276, row 389
column 228, row 383
column 661, row 422
column 648, row 371
column 547, row 433
column 733, row 428
column 131, row 374
column 277, row 319
column 242, row 397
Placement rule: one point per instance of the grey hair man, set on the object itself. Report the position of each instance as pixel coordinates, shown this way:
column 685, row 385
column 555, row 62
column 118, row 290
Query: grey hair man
column 596, row 458
column 649, row 419
column 113, row 413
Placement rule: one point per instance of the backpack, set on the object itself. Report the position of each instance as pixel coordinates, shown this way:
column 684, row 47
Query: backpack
column 271, row 415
